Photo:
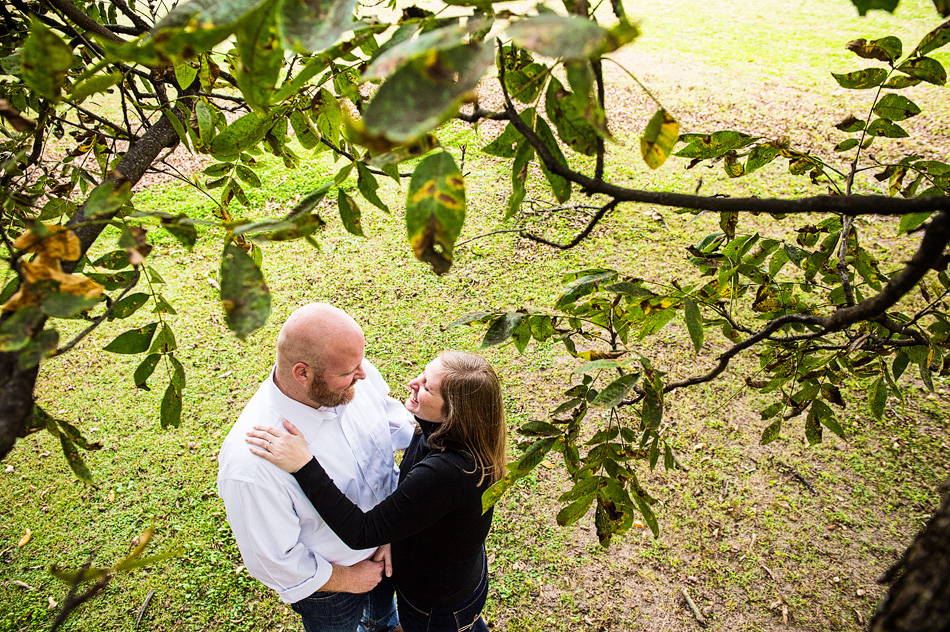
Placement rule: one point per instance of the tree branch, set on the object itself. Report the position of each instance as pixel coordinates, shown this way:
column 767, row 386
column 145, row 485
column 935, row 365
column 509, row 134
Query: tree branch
column 844, row 205
column 606, row 208
column 73, row 12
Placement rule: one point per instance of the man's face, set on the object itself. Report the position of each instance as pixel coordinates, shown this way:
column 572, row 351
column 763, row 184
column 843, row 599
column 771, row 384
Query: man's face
column 341, row 371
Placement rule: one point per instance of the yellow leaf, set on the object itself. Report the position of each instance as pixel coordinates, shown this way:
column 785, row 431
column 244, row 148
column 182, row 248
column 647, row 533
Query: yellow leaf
column 658, row 138
column 547, row 464
column 58, row 243
column 26, row 538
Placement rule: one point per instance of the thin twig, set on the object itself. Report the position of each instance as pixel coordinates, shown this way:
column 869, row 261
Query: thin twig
column 700, row 619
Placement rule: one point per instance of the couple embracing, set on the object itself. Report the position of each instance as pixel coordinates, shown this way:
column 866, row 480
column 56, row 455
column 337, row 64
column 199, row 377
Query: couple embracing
column 321, row 513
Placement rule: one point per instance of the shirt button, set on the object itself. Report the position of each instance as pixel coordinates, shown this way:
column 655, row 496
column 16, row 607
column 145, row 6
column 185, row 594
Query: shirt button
column 377, row 487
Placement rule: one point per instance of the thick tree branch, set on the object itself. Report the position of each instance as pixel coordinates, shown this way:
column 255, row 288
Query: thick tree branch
column 133, row 16
column 73, row 12
column 16, row 383
column 844, row 205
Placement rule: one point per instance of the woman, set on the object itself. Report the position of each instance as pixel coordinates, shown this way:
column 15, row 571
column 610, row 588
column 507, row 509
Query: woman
column 434, row 519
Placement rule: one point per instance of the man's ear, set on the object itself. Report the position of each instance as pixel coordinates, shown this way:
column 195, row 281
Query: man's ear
column 302, row 373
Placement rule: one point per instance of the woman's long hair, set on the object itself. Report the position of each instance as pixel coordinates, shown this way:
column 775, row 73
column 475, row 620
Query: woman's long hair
column 474, row 412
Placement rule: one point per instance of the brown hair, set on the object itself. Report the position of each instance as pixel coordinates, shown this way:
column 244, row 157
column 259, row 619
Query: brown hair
column 474, row 412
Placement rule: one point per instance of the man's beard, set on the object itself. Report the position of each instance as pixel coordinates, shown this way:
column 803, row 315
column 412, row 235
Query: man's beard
column 320, row 395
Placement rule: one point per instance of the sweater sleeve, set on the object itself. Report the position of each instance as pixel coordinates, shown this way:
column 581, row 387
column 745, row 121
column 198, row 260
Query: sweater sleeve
column 429, row 491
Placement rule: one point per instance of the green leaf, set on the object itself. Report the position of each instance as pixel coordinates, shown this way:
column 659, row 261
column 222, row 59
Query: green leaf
column 877, row 398
column 171, row 406
column 41, row 346
column 60, row 305
column 244, row 294
column 500, row 329
column 864, row 6
column 134, row 340
column 519, row 174
column 813, row 427
column 648, row 515
column 772, row 432
column 304, row 132
column 597, row 365
column 933, row 40
column 560, row 37
column 185, row 73
column 895, row 107
column 349, row 214
column 659, row 137
column 473, row 317
column 575, row 511
column 44, row 61
column 75, row 461
column 926, row 69
column 314, row 25
column 242, row 134
column 899, row 82
column 432, row 41
column 536, row 453
column 861, row 79
column 885, row 49
column 94, row 84
column 539, row 429
column 881, row 127
column 652, row 412
column 569, row 112
column 164, row 342
column 15, row 331
column 106, row 198
column 584, row 285
column 694, row 322
column 426, row 91
column 923, row 356
column 845, row 145
column 912, row 221
column 114, row 260
column 145, row 370
column 705, row 146
column 435, row 210
column 247, row 176
column 367, row 185
column 261, row 56
column 900, row 365
column 761, row 155
column 614, row 393
column 559, row 185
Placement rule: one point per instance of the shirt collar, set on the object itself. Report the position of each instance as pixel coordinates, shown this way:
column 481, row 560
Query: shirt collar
column 292, row 410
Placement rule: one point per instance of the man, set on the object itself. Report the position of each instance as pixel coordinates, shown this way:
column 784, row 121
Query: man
column 339, row 401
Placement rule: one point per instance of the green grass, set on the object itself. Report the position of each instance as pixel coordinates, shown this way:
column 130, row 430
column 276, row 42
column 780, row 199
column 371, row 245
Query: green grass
column 730, row 523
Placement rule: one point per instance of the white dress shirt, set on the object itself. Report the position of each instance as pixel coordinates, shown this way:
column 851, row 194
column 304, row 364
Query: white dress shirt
column 283, row 541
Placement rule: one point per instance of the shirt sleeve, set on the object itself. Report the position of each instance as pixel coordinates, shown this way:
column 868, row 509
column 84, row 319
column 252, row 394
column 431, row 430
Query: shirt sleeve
column 267, row 531
column 428, row 492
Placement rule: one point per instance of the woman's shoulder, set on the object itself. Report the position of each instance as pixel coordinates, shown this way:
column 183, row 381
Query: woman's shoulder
column 452, row 459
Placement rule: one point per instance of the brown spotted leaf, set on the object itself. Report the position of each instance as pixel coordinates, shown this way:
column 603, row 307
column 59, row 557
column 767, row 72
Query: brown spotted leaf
column 435, row 210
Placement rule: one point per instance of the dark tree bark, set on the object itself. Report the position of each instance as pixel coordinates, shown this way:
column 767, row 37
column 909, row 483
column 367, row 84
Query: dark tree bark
column 919, row 601
column 17, row 384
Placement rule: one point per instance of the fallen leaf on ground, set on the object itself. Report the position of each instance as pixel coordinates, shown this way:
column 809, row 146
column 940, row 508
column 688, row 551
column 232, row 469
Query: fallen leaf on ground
column 26, row 538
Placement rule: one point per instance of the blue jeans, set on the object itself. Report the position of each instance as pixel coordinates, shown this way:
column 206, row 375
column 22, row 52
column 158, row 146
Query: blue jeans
column 374, row 611
column 462, row 617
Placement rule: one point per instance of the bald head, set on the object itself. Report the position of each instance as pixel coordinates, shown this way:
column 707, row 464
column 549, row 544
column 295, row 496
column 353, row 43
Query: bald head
column 319, row 347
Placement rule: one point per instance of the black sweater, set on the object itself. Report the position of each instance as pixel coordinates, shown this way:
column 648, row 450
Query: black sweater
column 434, row 521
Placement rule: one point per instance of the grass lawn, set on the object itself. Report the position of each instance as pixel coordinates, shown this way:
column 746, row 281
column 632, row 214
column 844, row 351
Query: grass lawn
column 755, row 547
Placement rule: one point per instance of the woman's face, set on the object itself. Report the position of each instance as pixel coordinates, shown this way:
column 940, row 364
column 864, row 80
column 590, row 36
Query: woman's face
column 425, row 398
